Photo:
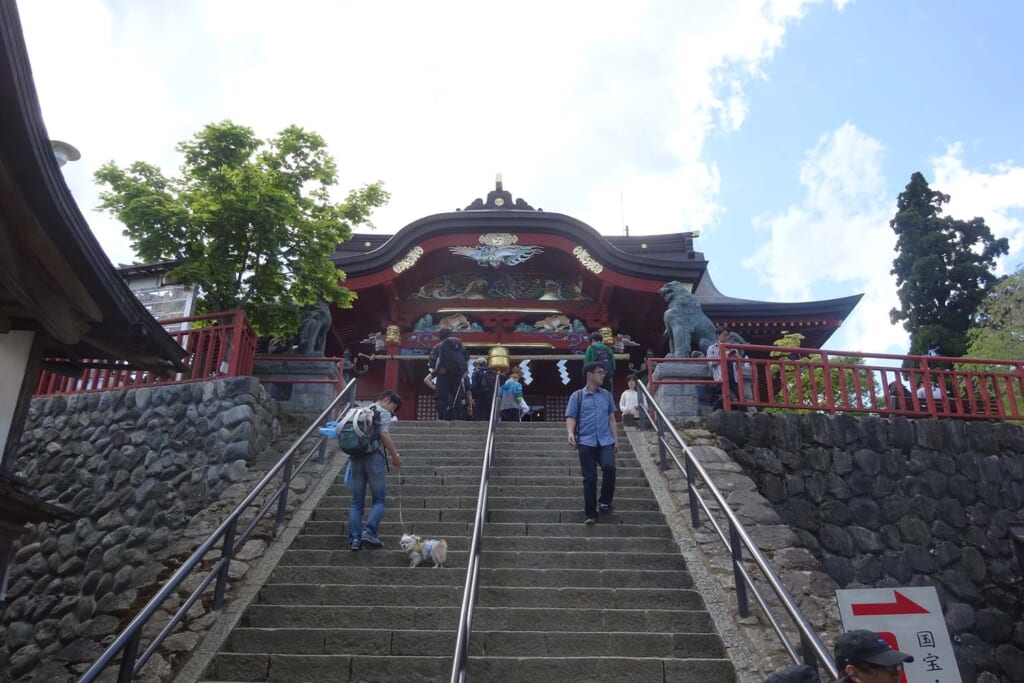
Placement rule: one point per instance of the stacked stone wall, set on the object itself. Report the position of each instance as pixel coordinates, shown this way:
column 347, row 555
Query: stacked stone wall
column 898, row 502
column 138, row 468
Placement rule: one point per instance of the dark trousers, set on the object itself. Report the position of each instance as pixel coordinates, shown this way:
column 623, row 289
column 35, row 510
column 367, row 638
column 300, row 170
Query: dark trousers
column 590, row 458
column 482, row 407
column 444, row 395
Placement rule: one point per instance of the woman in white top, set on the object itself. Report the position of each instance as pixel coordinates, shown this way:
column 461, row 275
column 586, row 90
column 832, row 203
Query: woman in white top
column 629, row 403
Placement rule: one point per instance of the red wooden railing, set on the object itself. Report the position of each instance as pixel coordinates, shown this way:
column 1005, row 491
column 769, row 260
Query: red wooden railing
column 223, row 346
column 823, row 381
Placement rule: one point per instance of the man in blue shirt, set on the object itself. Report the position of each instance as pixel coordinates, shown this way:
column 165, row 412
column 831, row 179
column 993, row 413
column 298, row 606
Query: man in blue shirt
column 590, row 422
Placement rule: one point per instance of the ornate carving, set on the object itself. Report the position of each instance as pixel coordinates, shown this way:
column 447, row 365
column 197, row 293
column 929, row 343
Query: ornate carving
column 554, row 323
column 521, row 286
column 393, row 335
column 409, row 260
column 498, row 249
column 498, row 239
column 588, row 261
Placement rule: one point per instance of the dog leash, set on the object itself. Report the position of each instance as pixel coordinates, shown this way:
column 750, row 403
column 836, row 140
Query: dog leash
column 401, row 519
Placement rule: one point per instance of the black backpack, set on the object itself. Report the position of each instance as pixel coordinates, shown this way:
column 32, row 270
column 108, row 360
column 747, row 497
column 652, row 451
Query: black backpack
column 602, row 356
column 359, row 430
column 487, row 382
column 452, row 358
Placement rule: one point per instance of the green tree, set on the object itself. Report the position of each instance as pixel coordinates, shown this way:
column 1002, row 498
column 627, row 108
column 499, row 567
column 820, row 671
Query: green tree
column 943, row 269
column 998, row 334
column 998, row 330
column 802, row 380
column 252, row 220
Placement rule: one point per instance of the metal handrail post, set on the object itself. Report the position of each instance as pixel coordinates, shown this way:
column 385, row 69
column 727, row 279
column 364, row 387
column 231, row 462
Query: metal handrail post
column 286, row 481
column 807, row 651
column 225, row 557
column 126, row 672
column 691, row 493
column 742, row 603
column 662, row 456
column 321, row 452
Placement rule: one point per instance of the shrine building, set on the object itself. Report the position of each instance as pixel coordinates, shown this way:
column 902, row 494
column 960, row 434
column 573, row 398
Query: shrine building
column 517, row 283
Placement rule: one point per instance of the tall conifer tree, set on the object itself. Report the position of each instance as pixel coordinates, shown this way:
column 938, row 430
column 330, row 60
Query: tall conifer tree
column 943, row 269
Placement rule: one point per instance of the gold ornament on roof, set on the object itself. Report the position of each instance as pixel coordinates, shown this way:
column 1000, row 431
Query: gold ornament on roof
column 498, row 239
column 393, row 335
column 588, row 261
column 409, row 260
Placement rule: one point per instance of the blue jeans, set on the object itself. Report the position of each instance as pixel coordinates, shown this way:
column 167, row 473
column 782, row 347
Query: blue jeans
column 590, row 458
column 372, row 470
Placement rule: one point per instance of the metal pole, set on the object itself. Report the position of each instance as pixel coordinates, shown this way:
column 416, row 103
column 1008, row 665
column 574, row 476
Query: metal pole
column 737, row 558
column 126, row 672
column 282, row 500
column 662, row 456
column 692, row 494
column 226, row 552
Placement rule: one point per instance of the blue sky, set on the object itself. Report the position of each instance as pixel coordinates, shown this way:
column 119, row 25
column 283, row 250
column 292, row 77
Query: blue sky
column 782, row 129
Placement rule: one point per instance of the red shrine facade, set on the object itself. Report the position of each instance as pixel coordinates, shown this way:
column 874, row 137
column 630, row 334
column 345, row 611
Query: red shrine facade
column 517, row 283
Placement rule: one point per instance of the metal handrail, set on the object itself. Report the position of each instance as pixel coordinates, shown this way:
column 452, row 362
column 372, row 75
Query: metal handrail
column 736, row 541
column 129, row 640
column 470, row 592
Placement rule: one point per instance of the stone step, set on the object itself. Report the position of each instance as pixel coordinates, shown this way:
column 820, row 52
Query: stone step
column 284, row 668
column 484, row 618
column 496, row 490
column 472, row 478
column 391, row 528
column 355, row 641
column 544, row 578
column 490, row 596
column 494, row 559
column 344, row 668
column 526, row 516
column 623, row 503
column 599, row 669
column 532, row 543
column 415, row 473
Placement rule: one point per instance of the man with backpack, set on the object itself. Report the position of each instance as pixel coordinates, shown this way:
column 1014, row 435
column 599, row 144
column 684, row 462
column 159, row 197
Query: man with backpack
column 597, row 352
column 482, row 389
column 590, row 423
column 371, row 470
column 449, row 361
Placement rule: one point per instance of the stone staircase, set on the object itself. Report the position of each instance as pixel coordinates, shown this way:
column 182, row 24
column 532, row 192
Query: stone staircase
column 558, row 600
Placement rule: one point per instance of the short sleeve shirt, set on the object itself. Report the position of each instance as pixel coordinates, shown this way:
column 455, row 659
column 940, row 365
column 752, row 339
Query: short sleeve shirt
column 385, row 420
column 593, row 407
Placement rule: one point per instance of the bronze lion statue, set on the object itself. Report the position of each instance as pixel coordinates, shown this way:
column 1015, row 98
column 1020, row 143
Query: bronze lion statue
column 685, row 322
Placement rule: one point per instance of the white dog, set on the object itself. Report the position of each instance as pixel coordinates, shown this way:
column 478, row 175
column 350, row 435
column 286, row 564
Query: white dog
column 434, row 549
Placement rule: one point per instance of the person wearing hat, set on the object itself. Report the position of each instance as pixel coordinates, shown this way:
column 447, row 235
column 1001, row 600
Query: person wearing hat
column 865, row 657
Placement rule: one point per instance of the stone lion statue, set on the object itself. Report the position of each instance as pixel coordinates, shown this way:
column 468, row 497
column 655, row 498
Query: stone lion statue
column 316, row 321
column 685, row 322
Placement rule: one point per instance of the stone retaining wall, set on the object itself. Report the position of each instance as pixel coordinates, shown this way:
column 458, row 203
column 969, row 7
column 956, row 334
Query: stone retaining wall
column 897, row 502
column 147, row 471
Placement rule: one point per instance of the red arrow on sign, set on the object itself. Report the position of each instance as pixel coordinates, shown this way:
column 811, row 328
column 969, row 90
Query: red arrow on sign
column 902, row 605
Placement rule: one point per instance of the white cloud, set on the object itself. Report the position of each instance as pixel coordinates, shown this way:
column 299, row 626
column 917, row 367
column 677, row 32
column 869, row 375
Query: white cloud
column 838, row 233
column 577, row 103
column 995, row 196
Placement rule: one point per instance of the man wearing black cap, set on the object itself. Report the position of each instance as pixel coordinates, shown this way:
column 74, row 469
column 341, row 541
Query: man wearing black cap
column 864, row 657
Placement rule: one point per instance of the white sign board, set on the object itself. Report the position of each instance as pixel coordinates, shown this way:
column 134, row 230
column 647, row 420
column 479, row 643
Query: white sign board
column 911, row 621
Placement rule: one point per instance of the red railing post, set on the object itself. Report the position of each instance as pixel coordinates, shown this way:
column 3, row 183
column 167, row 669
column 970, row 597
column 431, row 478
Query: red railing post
column 830, row 396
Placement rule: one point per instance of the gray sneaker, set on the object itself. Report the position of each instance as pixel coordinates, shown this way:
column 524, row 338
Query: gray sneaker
column 590, row 521
column 371, row 540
